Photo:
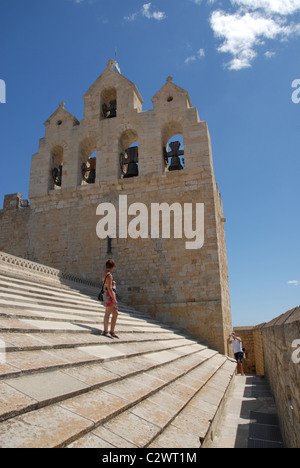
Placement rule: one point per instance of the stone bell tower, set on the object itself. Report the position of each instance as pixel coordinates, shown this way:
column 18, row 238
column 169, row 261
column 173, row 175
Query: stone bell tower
column 162, row 155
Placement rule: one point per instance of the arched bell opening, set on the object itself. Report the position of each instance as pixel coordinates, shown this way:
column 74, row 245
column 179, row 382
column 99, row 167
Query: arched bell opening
column 129, row 154
column 88, row 161
column 88, row 170
column 56, row 168
column 173, row 147
column 108, row 106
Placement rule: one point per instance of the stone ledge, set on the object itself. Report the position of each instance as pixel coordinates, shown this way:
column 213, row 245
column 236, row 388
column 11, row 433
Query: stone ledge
column 8, row 259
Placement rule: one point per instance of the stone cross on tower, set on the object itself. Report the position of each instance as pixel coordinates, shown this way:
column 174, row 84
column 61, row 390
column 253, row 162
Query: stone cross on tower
column 113, row 64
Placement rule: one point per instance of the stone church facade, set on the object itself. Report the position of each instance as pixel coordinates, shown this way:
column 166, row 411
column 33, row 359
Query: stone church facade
column 118, row 149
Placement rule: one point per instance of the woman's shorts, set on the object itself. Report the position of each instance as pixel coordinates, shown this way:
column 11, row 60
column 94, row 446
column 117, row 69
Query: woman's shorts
column 239, row 357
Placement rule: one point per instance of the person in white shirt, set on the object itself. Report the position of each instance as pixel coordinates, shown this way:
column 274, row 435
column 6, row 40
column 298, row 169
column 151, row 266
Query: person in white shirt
column 238, row 350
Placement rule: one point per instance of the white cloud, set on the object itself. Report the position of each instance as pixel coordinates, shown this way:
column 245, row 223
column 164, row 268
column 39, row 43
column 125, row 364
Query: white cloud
column 242, row 32
column 269, row 54
column 147, row 12
column 281, row 7
column 193, row 58
column 131, row 17
column 209, row 2
column 158, row 15
column 190, row 59
column 294, row 282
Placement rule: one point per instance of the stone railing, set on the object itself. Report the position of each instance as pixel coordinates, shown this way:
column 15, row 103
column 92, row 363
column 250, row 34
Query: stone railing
column 33, row 267
column 281, row 345
column 273, row 350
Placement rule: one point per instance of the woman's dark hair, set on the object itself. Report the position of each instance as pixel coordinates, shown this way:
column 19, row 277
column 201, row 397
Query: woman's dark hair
column 110, row 263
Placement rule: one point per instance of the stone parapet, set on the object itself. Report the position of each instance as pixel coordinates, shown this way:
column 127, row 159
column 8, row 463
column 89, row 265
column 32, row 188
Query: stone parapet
column 281, row 344
column 7, row 261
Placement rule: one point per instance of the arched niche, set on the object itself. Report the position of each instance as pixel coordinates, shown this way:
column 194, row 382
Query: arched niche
column 108, row 103
column 173, row 146
column 87, row 161
column 129, row 154
column 56, row 167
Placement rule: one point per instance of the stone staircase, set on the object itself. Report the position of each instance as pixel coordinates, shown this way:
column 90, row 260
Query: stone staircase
column 62, row 384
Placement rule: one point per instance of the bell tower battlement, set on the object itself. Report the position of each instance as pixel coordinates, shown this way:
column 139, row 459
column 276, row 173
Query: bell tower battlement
column 157, row 156
column 113, row 122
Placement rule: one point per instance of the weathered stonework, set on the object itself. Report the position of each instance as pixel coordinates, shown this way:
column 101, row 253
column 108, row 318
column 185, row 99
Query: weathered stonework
column 273, row 350
column 281, row 345
column 186, row 288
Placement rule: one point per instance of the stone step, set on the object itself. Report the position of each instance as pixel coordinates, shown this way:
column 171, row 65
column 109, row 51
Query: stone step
column 36, row 297
column 34, row 294
column 62, row 292
column 22, row 307
column 56, row 326
column 34, row 391
column 46, row 313
column 56, row 298
column 52, row 299
column 91, row 306
column 63, row 384
column 51, row 290
column 31, row 342
column 21, row 300
column 146, row 419
column 78, row 286
column 92, row 408
column 192, row 425
column 28, row 362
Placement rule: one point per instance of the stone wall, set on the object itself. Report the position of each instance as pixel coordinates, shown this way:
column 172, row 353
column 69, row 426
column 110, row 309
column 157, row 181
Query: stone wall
column 281, row 343
column 14, row 222
column 181, row 287
column 273, row 350
column 259, row 350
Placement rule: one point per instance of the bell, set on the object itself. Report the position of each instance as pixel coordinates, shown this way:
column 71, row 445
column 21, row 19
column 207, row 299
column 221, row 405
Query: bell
column 175, row 164
column 91, row 169
column 174, row 154
column 92, row 177
column 131, row 160
column 57, row 176
column 132, row 170
column 110, row 111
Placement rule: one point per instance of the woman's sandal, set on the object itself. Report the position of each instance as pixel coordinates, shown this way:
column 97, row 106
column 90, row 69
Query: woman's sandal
column 108, row 335
column 113, row 335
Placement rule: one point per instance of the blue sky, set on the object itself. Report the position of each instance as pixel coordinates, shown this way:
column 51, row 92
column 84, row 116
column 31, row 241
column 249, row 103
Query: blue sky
column 236, row 58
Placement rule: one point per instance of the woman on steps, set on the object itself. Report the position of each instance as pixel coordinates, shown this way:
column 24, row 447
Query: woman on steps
column 110, row 300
